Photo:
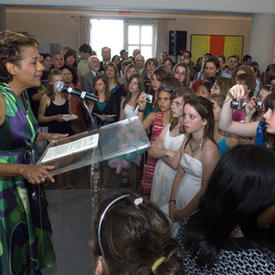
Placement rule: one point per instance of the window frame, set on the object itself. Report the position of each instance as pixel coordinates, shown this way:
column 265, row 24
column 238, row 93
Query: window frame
column 140, row 23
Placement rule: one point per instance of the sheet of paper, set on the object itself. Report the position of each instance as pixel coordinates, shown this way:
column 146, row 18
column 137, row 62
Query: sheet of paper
column 73, row 147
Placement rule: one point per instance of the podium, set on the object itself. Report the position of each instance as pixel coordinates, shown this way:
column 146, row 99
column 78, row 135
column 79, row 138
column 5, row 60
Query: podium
column 92, row 147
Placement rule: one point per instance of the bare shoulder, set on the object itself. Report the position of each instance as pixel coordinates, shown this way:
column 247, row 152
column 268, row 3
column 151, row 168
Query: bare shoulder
column 2, row 110
column 211, row 150
column 45, row 99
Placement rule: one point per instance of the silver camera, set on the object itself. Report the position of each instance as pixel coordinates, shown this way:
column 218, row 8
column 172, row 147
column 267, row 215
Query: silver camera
column 238, row 105
column 148, row 98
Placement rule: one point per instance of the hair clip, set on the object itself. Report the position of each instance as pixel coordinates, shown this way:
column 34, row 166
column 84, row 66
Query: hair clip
column 157, row 263
column 138, row 201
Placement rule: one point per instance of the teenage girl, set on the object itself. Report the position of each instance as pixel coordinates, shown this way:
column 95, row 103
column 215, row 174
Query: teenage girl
column 54, row 105
column 224, row 140
column 170, row 139
column 195, row 161
column 156, row 120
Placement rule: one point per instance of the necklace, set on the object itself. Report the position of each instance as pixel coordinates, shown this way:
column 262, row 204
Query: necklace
column 193, row 150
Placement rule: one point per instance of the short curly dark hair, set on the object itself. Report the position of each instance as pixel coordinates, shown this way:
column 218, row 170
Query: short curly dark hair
column 11, row 44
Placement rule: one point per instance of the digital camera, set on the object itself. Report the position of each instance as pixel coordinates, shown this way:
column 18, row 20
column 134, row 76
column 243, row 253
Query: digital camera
column 238, row 104
column 148, row 98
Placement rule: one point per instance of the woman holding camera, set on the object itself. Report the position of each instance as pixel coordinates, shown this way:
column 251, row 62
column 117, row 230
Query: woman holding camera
column 263, row 131
column 134, row 103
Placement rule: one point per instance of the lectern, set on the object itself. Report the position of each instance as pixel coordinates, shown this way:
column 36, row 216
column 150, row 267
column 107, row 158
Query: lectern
column 91, row 147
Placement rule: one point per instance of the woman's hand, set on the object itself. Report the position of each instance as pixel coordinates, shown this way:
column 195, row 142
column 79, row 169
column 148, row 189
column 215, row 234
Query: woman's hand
column 158, row 143
column 237, row 92
column 172, row 210
column 49, row 136
column 175, row 215
column 103, row 117
column 36, row 174
column 59, row 117
column 178, row 217
column 142, row 101
column 250, row 108
column 55, row 136
column 170, row 153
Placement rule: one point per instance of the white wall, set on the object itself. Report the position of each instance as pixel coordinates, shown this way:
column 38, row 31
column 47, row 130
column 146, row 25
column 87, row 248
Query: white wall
column 55, row 26
column 263, row 39
column 218, row 25
column 50, row 28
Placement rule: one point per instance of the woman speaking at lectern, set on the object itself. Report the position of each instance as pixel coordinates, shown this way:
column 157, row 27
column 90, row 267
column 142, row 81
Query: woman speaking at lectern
column 25, row 245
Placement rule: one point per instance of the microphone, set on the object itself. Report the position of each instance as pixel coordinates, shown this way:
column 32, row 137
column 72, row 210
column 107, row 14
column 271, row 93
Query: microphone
column 62, row 87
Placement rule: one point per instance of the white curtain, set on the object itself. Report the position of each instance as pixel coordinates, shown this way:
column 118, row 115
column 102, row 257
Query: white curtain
column 162, row 41
column 82, row 30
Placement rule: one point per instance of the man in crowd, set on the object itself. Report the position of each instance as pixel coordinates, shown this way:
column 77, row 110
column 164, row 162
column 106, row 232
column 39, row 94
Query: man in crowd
column 136, row 52
column 247, row 60
column 106, row 57
column 232, row 64
column 123, row 55
column 221, row 59
column 139, row 61
column 88, row 78
column 85, row 52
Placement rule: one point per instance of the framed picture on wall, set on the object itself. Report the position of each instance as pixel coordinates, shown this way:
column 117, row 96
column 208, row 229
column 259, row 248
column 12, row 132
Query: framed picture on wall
column 216, row 45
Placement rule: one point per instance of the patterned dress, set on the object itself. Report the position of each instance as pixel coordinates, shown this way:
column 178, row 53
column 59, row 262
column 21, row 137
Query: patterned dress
column 238, row 256
column 149, row 167
column 25, row 245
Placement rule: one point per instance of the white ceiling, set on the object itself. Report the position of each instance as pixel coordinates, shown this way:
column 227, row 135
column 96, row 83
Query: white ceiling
column 229, row 6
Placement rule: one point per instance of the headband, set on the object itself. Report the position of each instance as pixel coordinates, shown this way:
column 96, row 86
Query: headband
column 137, row 202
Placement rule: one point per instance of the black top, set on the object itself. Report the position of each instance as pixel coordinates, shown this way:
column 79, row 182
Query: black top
column 110, row 107
column 55, row 126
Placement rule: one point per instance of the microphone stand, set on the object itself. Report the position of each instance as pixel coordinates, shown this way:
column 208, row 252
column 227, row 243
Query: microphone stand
column 93, row 124
column 94, row 169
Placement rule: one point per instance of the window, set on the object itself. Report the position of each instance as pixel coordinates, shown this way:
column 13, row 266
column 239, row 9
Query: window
column 140, row 35
column 107, row 33
column 119, row 34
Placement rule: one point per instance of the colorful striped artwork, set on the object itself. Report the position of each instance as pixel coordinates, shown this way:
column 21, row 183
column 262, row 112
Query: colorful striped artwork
column 216, row 45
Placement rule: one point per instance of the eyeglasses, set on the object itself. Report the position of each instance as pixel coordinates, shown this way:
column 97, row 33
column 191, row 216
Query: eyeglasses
column 166, row 89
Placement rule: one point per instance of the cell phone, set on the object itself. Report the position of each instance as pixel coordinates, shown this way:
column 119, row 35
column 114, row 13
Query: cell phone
column 148, row 98
column 257, row 102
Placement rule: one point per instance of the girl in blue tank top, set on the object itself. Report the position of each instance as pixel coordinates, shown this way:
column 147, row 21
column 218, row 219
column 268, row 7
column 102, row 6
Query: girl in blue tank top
column 224, row 140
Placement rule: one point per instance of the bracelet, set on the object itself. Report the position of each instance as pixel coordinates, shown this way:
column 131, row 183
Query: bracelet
column 141, row 111
column 172, row 201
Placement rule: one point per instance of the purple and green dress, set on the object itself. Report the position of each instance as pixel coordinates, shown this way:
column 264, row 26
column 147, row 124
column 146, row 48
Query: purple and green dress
column 25, row 245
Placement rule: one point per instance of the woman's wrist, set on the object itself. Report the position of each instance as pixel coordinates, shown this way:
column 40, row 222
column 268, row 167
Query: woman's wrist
column 172, row 201
column 227, row 99
column 20, row 169
column 40, row 136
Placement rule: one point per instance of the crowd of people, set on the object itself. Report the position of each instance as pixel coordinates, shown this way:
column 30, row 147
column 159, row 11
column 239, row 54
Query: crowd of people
column 208, row 173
